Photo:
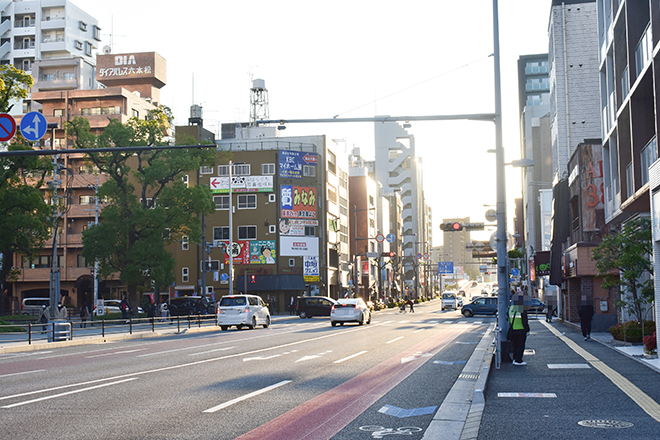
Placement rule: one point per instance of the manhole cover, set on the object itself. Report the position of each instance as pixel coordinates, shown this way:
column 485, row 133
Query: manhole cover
column 605, row 424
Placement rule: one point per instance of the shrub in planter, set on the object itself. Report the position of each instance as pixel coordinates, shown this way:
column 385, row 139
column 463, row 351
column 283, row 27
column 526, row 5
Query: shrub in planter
column 650, row 343
column 632, row 331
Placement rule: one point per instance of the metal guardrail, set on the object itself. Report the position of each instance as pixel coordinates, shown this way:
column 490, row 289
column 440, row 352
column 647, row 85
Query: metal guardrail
column 67, row 330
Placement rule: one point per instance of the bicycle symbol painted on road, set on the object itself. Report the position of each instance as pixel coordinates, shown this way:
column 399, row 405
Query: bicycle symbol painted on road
column 380, row 431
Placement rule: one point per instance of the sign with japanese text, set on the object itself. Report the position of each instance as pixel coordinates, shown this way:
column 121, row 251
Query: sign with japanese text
column 262, row 252
column 299, row 246
column 289, row 226
column 298, row 202
column 292, row 162
column 311, row 269
column 241, row 184
column 240, row 252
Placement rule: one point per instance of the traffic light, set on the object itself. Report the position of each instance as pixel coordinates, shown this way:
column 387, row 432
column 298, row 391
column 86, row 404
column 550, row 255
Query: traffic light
column 253, row 279
column 451, row 226
column 392, row 254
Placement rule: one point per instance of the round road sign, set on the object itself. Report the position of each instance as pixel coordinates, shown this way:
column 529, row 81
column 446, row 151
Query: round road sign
column 7, row 127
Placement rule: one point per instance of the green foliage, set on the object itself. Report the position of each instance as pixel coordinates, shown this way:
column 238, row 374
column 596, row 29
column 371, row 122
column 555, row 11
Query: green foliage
column 132, row 236
column 14, row 84
column 631, row 331
column 623, row 259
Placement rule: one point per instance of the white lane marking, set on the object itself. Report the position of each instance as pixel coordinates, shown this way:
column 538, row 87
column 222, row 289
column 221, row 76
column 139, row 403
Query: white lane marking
column 68, row 393
column 542, row 395
column 420, row 330
column 115, row 352
column 349, row 357
column 261, row 358
column 448, row 322
column 245, row 397
column 414, row 356
column 404, row 321
column 313, row 356
column 22, row 372
column 567, row 366
column 211, row 351
column 190, row 364
column 394, row 340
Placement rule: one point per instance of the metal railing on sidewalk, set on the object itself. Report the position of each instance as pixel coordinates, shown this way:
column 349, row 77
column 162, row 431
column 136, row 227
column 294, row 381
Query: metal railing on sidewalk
column 62, row 330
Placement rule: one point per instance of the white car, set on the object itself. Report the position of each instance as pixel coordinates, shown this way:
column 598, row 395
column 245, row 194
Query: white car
column 449, row 300
column 111, row 306
column 350, row 310
column 242, row 310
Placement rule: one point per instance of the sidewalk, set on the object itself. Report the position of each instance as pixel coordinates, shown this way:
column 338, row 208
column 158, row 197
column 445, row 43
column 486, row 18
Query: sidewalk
column 571, row 388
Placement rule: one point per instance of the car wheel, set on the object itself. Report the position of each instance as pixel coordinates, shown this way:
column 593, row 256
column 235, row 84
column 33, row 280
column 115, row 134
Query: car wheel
column 361, row 320
column 333, row 323
column 369, row 321
column 341, row 324
column 303, row 315
column 253, row 325
column 224, row 328
column 239, row 327
column 467, row 313
column 267, row 324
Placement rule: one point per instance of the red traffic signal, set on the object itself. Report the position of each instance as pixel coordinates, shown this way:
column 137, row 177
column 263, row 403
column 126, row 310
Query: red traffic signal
column 451, row 226
column 392, row 254
column 253, row 279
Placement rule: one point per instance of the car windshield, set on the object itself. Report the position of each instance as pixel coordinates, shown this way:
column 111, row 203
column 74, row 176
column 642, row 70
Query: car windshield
column 448, row 296
column 231, row 301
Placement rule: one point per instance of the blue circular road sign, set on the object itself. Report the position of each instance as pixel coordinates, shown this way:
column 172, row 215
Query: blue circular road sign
column 33, row 126
column 7, row 127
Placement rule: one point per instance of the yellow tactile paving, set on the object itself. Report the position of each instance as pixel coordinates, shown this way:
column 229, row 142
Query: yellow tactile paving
column 650, row 406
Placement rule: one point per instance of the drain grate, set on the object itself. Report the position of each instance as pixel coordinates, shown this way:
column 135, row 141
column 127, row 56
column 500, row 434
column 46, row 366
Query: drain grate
column 605, row 424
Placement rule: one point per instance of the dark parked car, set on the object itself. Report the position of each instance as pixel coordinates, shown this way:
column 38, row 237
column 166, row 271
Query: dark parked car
column 480, row 306
column 308, row 306
column 190, row 305
column 535, row 306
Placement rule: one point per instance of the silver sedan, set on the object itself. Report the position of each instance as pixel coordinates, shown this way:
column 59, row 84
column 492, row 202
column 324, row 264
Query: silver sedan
column 350, row 310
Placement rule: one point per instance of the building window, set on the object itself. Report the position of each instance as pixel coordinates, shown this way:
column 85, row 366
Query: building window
column 309, row 171
column 221, row 233
column 223, row 170
column 206, row 170
column 58, row 112
column 629, row 180
column 649, row 155
column 38, row 262
column 271, row 198
column 82, row 262
column 310, row 231
column 186, row 180
column 268, row 169
column 83, row 26
column 88, row 49
column 97, row 33
column 247, row 201
column 149, row 203
column 332, row 193
column 184, row 274
column 86, row 200
column 332, row 162
column 79, row 45
column 247, row 232
column 135, row 113
column 643, row 50
column 242, row 169
column 272, row 229
column 185, row 244
column 221, row 202
column 292, row 262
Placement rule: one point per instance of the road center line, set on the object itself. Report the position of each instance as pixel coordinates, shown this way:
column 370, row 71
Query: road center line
column 68, row 393
column 349, row 357
column 394, row 340
column 245, row 397
column 650, row 406
column 22, row 372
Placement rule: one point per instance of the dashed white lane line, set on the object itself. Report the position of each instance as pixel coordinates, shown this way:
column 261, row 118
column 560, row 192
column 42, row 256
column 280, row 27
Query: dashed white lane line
column 22, row 372
column 394, row 340
column 245, row 397
column 349, row 357
column 68, row 393
column 211, row 351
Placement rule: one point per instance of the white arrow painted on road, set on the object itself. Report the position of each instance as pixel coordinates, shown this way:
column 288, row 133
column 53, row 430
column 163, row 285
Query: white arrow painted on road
column 313, row 356
column 414, row 357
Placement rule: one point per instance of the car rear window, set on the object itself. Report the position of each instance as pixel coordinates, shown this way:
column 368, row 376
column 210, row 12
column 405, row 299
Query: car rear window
column 230, row 301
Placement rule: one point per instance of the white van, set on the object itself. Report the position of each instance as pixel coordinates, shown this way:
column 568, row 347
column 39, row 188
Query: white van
column 33, row 306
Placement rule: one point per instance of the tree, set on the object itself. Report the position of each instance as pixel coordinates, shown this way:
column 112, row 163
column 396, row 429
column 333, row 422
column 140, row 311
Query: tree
column 623, row 259
column 25, row 217
column 149, row 205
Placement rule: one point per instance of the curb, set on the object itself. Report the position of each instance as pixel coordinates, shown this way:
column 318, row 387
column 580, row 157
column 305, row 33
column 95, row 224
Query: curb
column 459, row 416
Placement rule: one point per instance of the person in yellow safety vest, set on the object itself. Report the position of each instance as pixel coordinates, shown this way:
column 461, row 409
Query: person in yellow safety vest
column 520, row 327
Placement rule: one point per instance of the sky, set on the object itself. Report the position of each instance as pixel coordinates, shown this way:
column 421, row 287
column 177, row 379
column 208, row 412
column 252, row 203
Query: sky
column 350, row 59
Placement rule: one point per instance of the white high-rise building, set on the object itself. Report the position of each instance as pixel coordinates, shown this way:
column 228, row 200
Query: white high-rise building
column 53, row 40
column 398, row 168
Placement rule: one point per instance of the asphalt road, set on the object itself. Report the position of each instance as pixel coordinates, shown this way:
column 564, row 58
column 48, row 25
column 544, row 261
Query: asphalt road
column 298, row 378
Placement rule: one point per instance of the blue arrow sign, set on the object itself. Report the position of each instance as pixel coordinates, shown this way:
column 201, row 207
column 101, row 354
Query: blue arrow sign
column 33, row 126
column 446, row 267
column 390, row 238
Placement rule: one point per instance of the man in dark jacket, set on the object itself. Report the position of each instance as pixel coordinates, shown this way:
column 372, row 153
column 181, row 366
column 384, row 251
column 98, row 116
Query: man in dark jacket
column 586, row 313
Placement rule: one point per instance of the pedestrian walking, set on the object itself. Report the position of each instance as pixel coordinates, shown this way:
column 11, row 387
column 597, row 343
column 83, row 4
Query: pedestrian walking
column 43, row 317
column 123, row 306
column 519, row 327
column 411, row 304
column 586, row 313
column 549, row 312
column 163, row 312
column 292, row 306
column 84, row 314
column 61, row 312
